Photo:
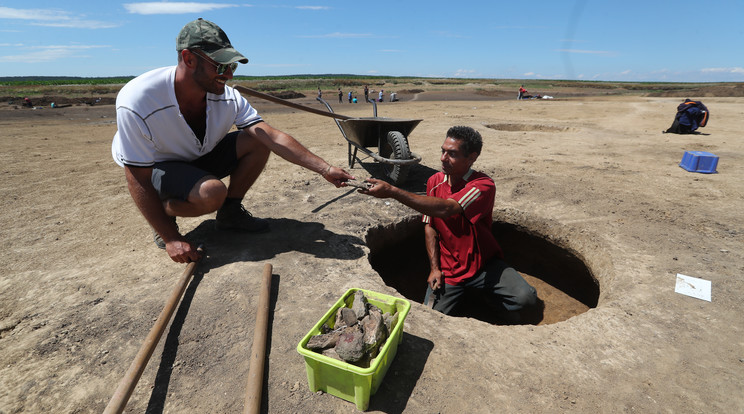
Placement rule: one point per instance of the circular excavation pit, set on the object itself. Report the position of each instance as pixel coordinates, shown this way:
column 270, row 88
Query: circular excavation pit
column 565, row 285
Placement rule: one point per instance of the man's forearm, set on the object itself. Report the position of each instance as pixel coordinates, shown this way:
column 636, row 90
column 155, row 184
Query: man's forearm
column 296, row 153
column 289, row 148
column 431, row 206
column 435, row 279
column 147, row 201
column 432, row 246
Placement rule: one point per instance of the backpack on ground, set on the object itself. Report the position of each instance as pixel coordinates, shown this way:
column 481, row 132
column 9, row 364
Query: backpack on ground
column 690, row 116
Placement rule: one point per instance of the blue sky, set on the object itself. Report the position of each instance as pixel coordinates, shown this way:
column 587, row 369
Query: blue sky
column 675, row 41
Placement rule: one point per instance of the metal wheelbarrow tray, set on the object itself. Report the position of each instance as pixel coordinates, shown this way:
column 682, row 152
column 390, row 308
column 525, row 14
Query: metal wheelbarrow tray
column 388, row 135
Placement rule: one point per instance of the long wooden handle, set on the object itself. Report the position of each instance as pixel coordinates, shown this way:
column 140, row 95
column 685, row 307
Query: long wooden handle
column 127, row 384
column 258, row 349
column 281, row 101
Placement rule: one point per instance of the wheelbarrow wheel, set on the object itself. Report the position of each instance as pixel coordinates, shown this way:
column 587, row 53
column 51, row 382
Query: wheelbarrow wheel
column 396, row 148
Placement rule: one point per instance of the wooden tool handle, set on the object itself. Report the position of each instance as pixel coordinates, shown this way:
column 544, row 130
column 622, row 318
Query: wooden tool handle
column 281, row 101
column 258, row 349
column 126, row 385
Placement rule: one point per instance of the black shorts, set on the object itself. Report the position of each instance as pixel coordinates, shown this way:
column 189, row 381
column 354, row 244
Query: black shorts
column 176, row 179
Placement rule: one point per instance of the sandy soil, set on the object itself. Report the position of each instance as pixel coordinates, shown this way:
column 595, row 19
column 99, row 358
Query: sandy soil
column 593, row 177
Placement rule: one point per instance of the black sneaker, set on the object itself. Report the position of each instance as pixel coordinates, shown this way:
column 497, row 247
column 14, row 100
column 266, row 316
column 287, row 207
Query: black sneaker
column 233, row 216
column 159, row 240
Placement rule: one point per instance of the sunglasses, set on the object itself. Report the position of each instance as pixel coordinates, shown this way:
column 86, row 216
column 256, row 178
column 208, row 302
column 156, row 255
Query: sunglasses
column 221, row 67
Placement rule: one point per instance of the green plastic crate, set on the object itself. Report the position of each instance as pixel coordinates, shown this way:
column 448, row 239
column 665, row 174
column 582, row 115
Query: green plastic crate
column 344, row 380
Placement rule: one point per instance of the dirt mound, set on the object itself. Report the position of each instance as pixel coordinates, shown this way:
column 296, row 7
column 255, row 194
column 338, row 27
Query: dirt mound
column 512, row 127
column 733, row 90
column 47, row 100
column 287, row 94
column 495, row 93
column 410, row 91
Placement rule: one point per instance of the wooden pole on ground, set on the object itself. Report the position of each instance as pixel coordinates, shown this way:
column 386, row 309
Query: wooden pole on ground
column 127, row 384
column 258, row 349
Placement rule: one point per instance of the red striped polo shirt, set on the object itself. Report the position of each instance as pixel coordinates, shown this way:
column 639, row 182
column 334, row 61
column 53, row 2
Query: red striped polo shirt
column 466, row 242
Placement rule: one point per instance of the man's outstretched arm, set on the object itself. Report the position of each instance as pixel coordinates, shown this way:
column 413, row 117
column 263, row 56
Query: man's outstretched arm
column 293, row 151
column 431, row 206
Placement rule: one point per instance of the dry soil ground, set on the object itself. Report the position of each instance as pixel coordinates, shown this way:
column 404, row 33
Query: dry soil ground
column 591, row 178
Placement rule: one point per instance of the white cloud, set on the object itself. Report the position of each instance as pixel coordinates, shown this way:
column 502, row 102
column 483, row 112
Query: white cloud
column 52, row 18
column 313, row 8
column 32, row 14
column 536, row 75
column 464, row 73
column 173, row 7
column 723, row 70
column 50, row 53
column 78, row 24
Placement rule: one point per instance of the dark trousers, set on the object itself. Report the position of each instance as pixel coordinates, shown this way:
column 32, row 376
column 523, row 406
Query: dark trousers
column 502, row 285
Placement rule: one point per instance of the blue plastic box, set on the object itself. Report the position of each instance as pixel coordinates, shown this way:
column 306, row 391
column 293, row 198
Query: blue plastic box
column 699, row 161
column 344, row 380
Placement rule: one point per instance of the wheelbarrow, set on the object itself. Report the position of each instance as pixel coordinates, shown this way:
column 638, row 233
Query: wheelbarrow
column 388, row 135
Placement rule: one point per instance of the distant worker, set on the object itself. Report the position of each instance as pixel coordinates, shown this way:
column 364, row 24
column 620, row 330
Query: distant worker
column 379, row 97
column 458, row 213
column 340, row 96
column 27, row 103
column 354, row 100
column 349, row 96
column 366, row 93
column 393, row 97
column 523, row 94
column 320, row 94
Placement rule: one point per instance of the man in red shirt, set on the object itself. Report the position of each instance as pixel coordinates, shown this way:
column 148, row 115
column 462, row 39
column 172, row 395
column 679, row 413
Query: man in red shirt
column 457, row 211
column 523, row 93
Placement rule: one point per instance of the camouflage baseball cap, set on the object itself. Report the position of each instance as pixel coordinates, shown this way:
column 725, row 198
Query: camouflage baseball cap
column 208, row 37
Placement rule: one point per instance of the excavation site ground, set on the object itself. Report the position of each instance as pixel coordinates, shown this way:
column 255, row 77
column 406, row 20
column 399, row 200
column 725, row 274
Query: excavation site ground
column 591, row 206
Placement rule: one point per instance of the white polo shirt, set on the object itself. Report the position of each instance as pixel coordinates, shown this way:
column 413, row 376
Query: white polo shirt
column 151, row 127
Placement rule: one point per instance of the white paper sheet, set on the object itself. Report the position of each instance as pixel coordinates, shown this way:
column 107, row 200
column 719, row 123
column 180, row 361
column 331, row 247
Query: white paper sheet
column 692, row 286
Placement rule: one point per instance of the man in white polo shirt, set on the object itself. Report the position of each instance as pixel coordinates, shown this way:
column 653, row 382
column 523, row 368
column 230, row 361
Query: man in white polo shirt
column 175, row 144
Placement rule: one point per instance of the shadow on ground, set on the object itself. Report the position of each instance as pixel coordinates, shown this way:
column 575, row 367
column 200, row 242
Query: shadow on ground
column 159, row 393
column 286, row 235
column 396, row 388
